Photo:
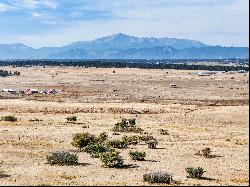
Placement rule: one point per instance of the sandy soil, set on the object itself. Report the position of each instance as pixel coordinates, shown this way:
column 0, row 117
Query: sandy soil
column 201, row 112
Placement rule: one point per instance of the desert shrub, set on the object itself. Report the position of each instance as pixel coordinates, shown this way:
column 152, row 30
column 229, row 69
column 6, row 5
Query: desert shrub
column 127, row 126
column 136, row 155
column 152, row 144
column 111, row 159
column 81, row 140
column 132, row 122
column 205, row 152
column 146, row 138
column 96, row 149
column 62, row 158
column 35, row 120
column 119, row 144
column 9, row 118
column 158, row 177
column 71, row 118
column 131, row 140
column 195, row 172
column 163, row 132
column 102, row 137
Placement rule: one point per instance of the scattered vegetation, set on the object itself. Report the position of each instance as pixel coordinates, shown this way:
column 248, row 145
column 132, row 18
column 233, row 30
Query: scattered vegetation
column 146, row 138
column 102, row 138
column 62, row 158
column 163, row 132
column 81, row 140
column 131, row 140
column 205, row 152
column 152, row 144
column 111, row 159
column 158, row 177
column 119, row 144
column 4, row 73
column 136, row 155
column 35, row 120
column 9, row 118
column 71, row 118
column 127, row 126
column 195, row 172
column 96, row 149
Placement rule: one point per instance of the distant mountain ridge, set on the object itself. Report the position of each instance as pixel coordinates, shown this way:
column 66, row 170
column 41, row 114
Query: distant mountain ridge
column 122, row 46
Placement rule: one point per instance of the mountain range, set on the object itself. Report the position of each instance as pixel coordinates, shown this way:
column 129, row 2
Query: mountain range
column 122, row 46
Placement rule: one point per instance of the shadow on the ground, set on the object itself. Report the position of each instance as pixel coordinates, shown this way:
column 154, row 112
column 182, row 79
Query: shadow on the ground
column 151, row 160
column 159, row 148
column 128, row 166
column 207, row 178
column 214, row 156
column 83, row 164
column 3, row 175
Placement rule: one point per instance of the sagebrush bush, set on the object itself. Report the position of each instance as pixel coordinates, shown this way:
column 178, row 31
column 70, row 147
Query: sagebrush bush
column 131, row 140
column 62, row 158
column 132, row 122
column 81, row 140
column 206, row 152
column 163, row 132
column 9, row 118
column 158, row 177
column 96, row 149
column 102, row 138
column 127, row 126
column 195, row 172
column 136, row 155
column 146, row 138
column 71, row 118
column 35, row 120
column 152, row 144
column 119, row 144
column 111, row 159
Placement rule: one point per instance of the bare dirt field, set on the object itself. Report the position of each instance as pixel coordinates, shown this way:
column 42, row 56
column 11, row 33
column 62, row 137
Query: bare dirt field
column 202, row 111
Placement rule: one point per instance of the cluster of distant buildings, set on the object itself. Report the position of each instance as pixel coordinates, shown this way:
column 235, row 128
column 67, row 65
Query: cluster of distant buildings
column 30, row 91
column 208, row 73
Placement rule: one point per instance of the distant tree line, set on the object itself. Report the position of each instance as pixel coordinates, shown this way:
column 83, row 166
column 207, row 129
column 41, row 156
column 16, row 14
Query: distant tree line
column 4, row 73
column 143, row 64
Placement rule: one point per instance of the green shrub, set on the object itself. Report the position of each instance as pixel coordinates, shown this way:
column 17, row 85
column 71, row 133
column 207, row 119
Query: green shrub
column 136, row 155
column 163, row 132
column 152, row 144
column 35, row 120
column 127, row 126
column 9, row 118
column 62, row 158
column 81, row 140
column 71, row 118
column 146, row 138
column 111, row 159
column 158, row 177
column 131, row 140
column 132, row 122
column 96, row 149
column 195, row 172
column 102, row 137
column 119, row 144
column 205, row 152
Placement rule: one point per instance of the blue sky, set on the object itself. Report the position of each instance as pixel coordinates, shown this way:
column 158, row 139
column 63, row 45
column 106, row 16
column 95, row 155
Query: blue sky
column 58, row 22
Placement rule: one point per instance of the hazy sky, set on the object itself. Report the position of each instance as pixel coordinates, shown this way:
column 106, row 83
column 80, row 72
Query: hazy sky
column 58, row 22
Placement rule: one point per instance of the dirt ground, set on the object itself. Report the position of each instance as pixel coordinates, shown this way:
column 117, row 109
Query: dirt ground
column 202, row 111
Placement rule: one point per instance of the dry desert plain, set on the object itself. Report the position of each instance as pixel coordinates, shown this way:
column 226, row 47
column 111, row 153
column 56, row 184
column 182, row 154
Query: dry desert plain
column 202, row 111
